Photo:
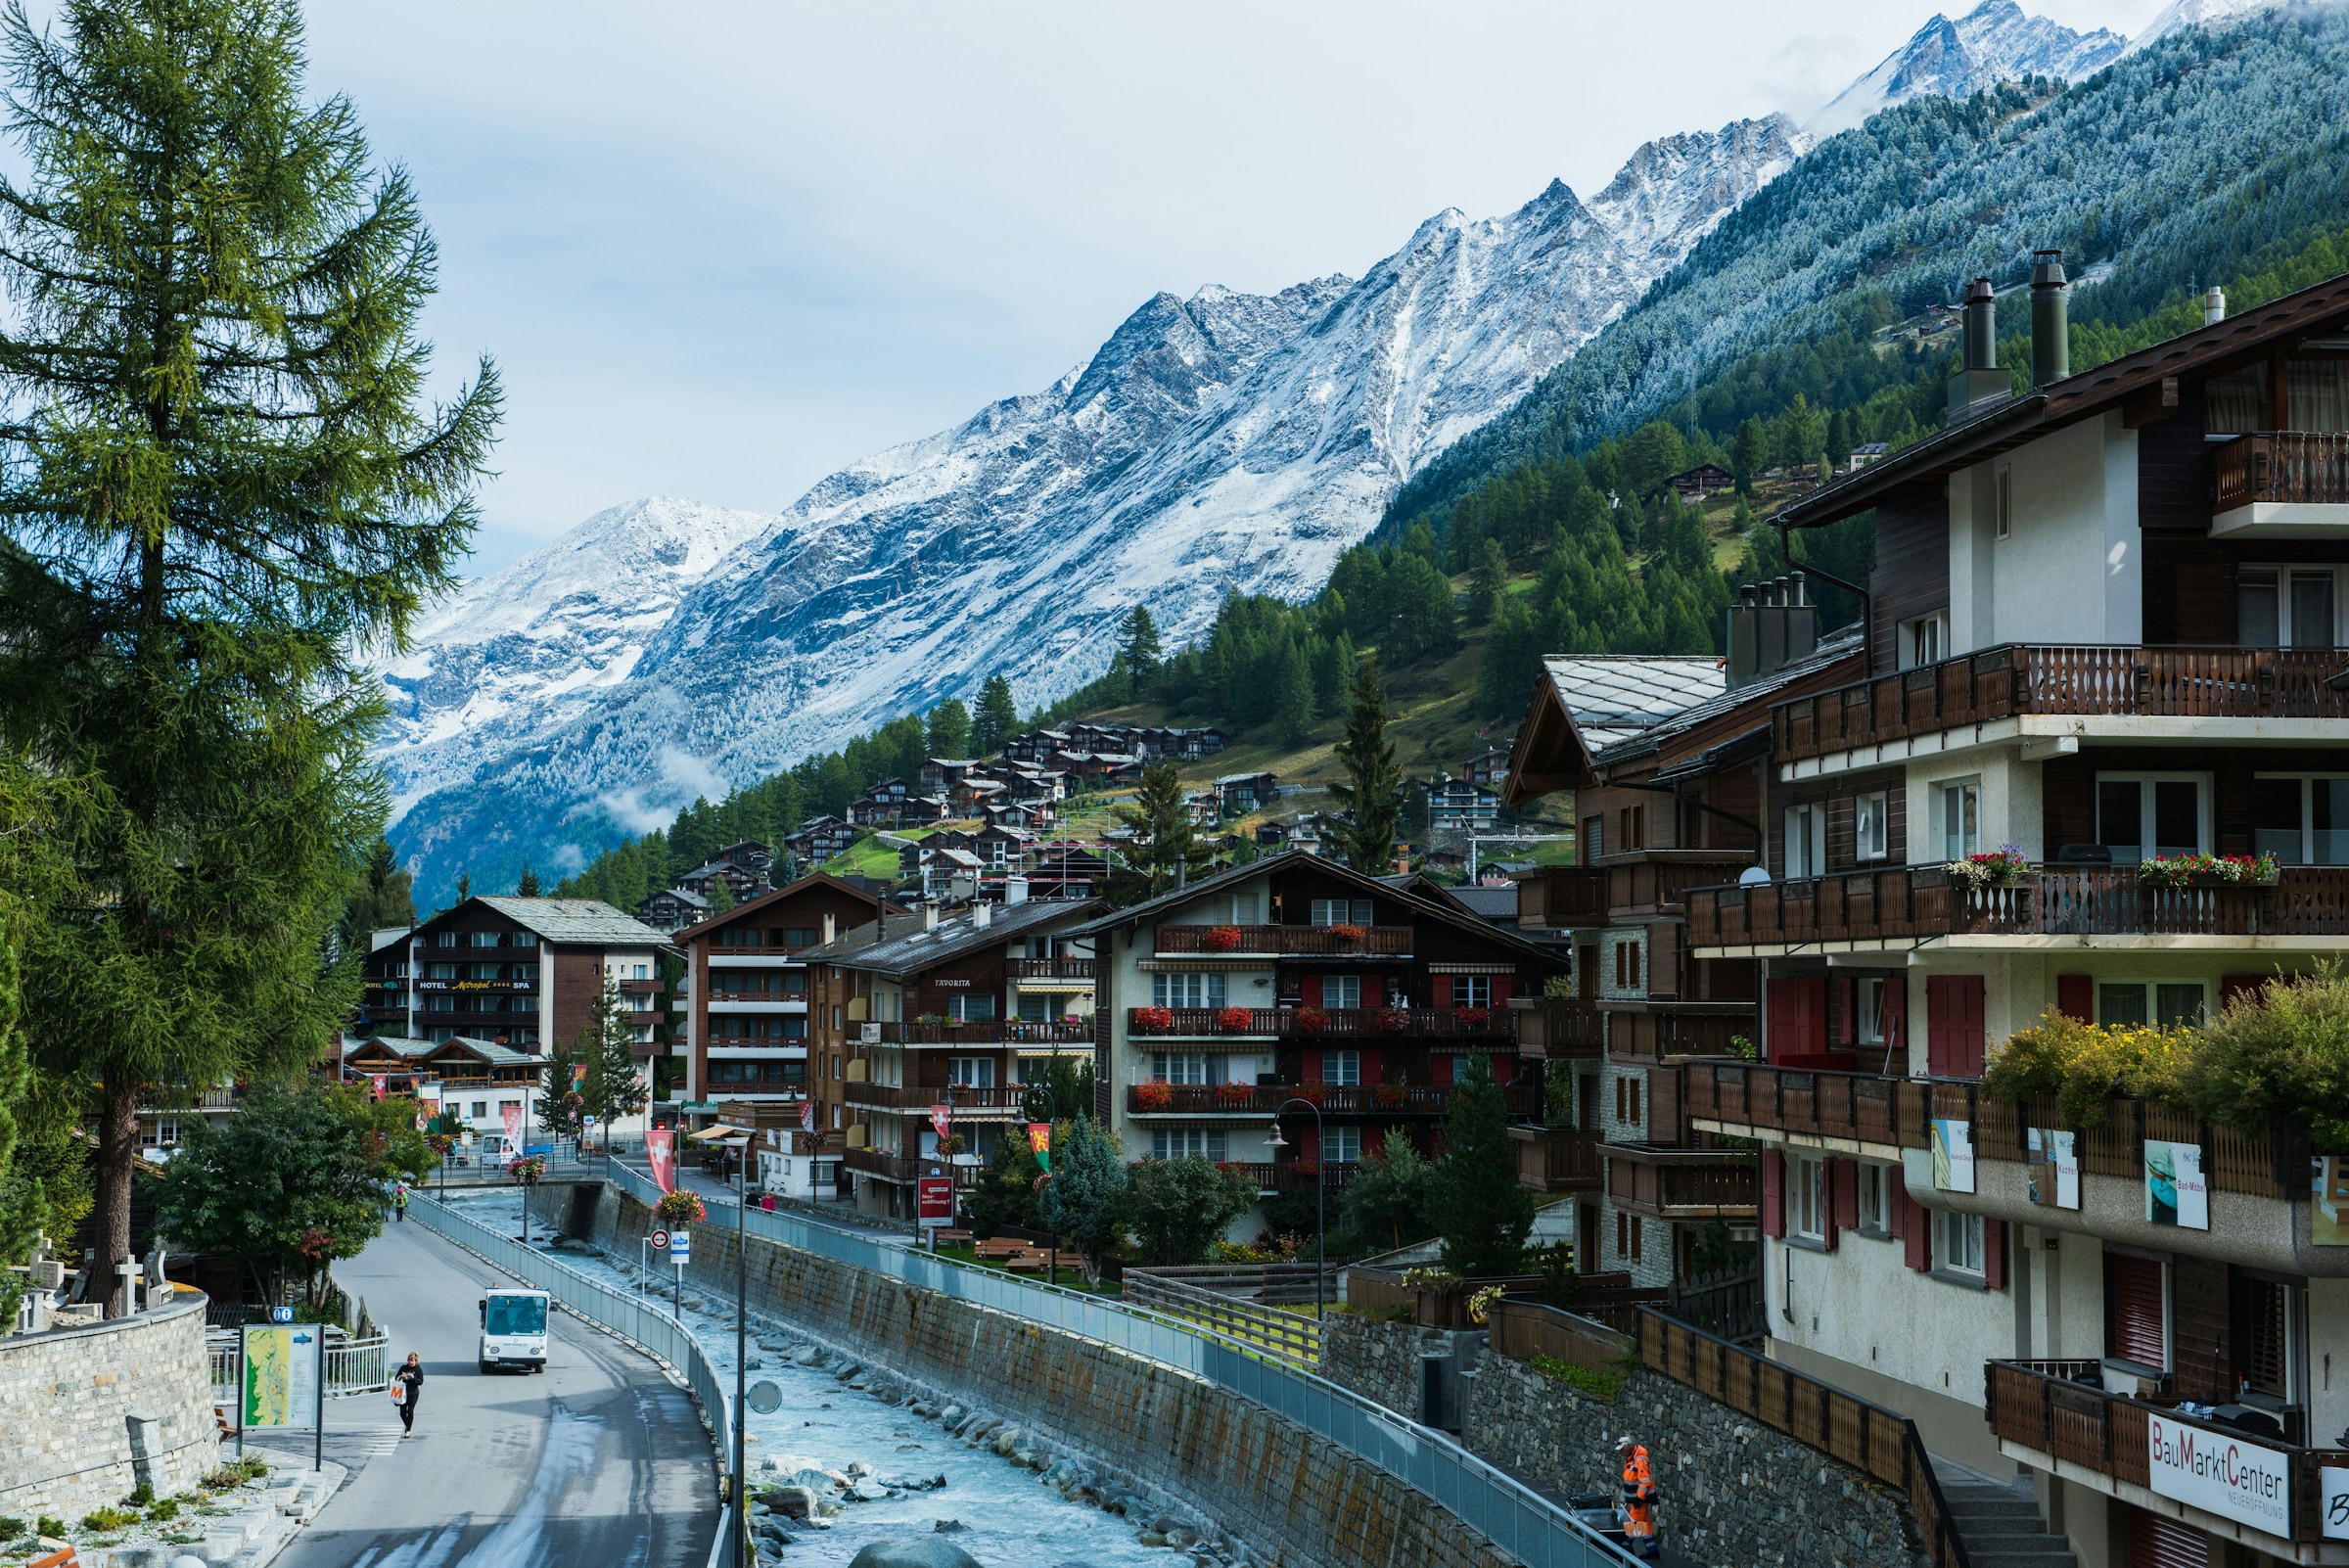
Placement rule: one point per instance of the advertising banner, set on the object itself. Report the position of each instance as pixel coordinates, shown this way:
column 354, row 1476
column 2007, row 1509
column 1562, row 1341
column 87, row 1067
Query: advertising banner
column 936, row 1198
column 513, row 1120
column 661, row 1150
column 2055, row 1166
column 281, row 1371
column 2332, row 1498
column 2329, row 1214
column 806, row 1115
column 1039, row 1138
column 1953, row 1156
column 2176, row 1193
column 2222, row 1474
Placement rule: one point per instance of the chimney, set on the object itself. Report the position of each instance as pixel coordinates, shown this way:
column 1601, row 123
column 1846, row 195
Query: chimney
column 2214, row 306
column 1743, row 630
column 828, row 930
column 1015, row 890
column 929, row 917
column 1979, row 379
column 982, row 912
column 2051, row 320
column 1771, row 626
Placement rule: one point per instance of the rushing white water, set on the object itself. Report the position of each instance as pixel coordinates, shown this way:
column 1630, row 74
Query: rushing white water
column 1010, row 1519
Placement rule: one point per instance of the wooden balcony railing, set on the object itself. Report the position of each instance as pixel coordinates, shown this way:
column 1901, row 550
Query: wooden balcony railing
column 1858, row 1107
column 1498, row 1025
column 1906, row 903
column 990, row 1032
column 1683, row 1185
column 1283, row 942
column 890, row 1166
column 1558, row 1159
column 1660, row 879
column 2288, row 466
column 1560, row 1027
column 1349, row 1099
column 2017, row 678
column 2056, row 1410
column 1714, row 1031
column 962, row 1098
column 1295, row 1175
column 1052, row 969
column 1562, row 895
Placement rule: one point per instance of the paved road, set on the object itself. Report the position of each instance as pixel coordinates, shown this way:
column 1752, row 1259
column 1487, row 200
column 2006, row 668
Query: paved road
column 598, row 1459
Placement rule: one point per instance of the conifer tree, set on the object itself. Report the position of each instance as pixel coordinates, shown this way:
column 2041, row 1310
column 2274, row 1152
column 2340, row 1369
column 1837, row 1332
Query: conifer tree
column 224, row 485
column 999, row 717
column 948, row 735
column 1137, row 644
column 1293, row 698
column 1489, row 578
column 1480, row 1209
column 1163, row 819
column 1373, row 791
column 613, row 1088
column 385, row 898
column 528, row 886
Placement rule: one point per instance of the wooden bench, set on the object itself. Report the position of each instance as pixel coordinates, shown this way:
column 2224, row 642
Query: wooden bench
column 996, row 1249
column 952, row 1238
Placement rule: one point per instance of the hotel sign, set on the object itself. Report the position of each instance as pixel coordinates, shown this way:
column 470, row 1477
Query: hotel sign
column 2222, row 1474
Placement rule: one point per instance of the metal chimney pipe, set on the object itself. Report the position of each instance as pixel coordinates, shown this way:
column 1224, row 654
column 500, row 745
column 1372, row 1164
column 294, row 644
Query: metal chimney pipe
column 2214, row 306
column 1981, row 326
column 2051, row 320
column 1796, row 579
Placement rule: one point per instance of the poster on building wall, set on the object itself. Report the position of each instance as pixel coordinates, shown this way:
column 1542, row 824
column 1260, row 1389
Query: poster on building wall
column 2333, row 1501
column 2054, row 1168
column 2176, row 1193
column 2329, row 1214
column 2220, row 1473
column 1953, row 1156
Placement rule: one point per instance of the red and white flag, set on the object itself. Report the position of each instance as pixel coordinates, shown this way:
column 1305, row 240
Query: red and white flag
column 806, row 1115
column 940, row 1116
column 513, row 1115
column 660, row 1151
column 378, row 1079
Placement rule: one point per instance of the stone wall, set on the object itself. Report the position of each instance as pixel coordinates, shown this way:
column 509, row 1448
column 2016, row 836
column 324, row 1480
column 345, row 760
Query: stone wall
column 1731, row 1493
column 1378, row 1361
column 70, row 1398
column 1293, row 1498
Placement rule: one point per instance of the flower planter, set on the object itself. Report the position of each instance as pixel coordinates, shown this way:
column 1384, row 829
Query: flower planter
column 1154, row 1097
column 1388, row 1095
column 1312, row 1021
column 1234, row 1020
column 1352, row 936
column 1224, row 938
column 1238, row 1096
column 1153, row 1019
column 1394, row 1020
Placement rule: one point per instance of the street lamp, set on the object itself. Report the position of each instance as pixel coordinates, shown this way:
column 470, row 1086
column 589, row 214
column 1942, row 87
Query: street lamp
column 741, row 1295
column 1320, row 1193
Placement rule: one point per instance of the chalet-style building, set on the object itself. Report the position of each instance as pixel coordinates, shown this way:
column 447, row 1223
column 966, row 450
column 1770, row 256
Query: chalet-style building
column 1242, row 793
column 742, row 883
column 673, row 909
column 383, row 990
column 952, row 1009
column 1489, row 767
column 2104, row 634
column 1695, row 483
column 1294, row 977
column 477, row 1082
column 529, row 973
column 1455, row 807
column 820, row 838
column 747, row 994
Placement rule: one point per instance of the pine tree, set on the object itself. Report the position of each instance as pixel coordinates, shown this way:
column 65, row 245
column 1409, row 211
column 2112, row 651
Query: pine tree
column 950, row 731
column 1085, row 1200
column 721, row 895
column 1373, row 793
column 1293, row 698
column 527, row 887
column 1488, row 581
column 1137, row 644
column 1163, row 819
column 1750, row 453
column 385, row 898
column 225, row 481
column 562, row 1093
column 1480, row 1209
column 999, row 717
column 614, row 1088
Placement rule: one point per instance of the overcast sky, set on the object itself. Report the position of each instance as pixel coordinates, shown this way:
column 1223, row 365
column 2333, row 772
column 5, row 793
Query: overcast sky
column 721, row 249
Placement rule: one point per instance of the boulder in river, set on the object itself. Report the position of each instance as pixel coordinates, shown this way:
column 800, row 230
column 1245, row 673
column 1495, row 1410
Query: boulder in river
column 919, row 1552
column 795, row 1502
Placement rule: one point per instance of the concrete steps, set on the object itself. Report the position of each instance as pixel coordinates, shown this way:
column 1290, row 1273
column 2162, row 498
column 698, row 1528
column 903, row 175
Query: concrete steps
column 2000, row 1522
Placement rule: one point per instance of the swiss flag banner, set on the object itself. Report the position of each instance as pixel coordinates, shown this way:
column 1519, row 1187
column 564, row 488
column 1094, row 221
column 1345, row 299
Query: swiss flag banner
column 940, row 1117
column 379, row 1085
column 659, row 1149
column 806, row 1115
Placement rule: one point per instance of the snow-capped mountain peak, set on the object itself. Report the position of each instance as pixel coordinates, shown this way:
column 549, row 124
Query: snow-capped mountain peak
column 2180, row 14
column 1996, row 41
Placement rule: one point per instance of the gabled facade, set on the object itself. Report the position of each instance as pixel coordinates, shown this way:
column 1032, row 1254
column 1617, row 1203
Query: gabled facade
column 528, row 973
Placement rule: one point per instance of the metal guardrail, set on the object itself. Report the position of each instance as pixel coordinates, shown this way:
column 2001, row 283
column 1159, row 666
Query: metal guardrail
column 355, row 1366
column 628, row 1315
column 1505, row 1510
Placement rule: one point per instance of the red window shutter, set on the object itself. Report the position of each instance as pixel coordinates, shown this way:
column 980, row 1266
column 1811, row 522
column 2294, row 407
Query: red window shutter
column 1774, row 1192
column 2233, row 985
column 1954, row 1044
column 1370, row 1075
column 1439, row 992
column 1896, row 1205
column 1994, row 1254
column 1795, row 1022
column 1847, row 1012
column 1312, row 1066
column 1373, row 993
column 1439, row 1068
column 2133, row 1311
column 1846, row 1174
column 1916, row 1233
column 1310, row 991
column 1500, row 990
column 1896, row 1019
column 2076, row 998
column 1505, row 1067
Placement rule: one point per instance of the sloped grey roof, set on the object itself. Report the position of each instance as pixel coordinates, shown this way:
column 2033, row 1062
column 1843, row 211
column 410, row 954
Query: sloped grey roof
column 1840, row 645
column 575, row 920
column 1612, row 697
column 1486, row 903
column 906, row 946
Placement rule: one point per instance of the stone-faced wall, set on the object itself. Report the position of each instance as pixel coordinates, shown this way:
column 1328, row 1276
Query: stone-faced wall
column 1731, row 1492
column 67, row 1398
column 1378, row 1361
column 1290, row 1496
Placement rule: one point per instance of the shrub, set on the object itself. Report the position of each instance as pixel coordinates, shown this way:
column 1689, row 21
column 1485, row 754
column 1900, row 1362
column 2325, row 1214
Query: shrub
column 1179, row 1209
column 162, row 1512
column 54, row 1528
column 1600, row 1385
column 11, row 1529
column 2084, row 1065
column 680, row 1207
column 236, row 1472
column 140, row 1495
column 102, row 1519
column 2283, row 1050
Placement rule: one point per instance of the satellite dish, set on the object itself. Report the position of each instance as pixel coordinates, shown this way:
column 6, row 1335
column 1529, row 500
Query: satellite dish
column 765, row 1398
column 1753, row 876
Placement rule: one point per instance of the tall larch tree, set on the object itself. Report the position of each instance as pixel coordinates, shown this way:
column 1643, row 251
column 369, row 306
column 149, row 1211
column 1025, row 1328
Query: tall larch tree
column 223, row 484
column 1373, row 791
column 999, row 717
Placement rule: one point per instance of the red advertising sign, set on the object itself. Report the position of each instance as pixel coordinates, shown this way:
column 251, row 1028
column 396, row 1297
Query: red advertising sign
column 940, row 1118
column 660, row 1151
column 935, row 1197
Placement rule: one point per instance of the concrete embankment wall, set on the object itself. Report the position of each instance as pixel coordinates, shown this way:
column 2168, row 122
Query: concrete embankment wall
column 1733, row 1490
column 87, row 1413
column 1270, row 1483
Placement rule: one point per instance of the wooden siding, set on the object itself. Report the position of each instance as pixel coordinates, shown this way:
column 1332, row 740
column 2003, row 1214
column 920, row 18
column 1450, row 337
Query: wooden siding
column 2199, row 1314
column 1911, row 574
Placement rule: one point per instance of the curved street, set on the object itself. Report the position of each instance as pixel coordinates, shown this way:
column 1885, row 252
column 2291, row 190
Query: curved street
column 598, row 1459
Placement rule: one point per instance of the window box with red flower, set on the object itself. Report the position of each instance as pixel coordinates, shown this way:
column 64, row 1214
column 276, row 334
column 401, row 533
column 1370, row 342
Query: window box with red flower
column 1473, row 1017
column 1313, row 1093
column 1153, row 1020
column 1394, row 1020
column 1351, row 935
column 1224, row 938
column 1312, row 1020
column 1154, row 1096
column 1238, row 1095
column 1388, row 1095
column 1234, row 1020
column 1306, row 1168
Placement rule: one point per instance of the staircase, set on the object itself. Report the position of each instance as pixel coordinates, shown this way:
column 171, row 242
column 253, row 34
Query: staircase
column 1999, row 1521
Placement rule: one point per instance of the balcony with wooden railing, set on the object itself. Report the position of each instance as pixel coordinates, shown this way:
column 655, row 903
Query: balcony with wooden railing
column 1295, row 1175
column 2089, row 681
column 990, row 1032
column 1906, row 904
column 1839, row 1110
column 1681, row 1183
column 1282, row 942
column 2056, row 1413
column 995, row 1100
column 1558, row 1159
column 1558, row 1028
column 1052, row 968
column 1260, row 1100
column 1659, row 880
column 890, row 1166
column 2288, row 467
column 1559, row 896
column 1685, row 1028
column 1498, row 1025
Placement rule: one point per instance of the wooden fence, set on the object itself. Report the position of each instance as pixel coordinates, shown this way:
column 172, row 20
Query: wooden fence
column 1287, row 1335
column 1524, row 1329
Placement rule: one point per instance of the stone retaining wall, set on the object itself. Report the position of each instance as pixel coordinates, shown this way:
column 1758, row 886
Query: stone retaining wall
column 1379, row 1361
column 72, row 1400
column 1293, row 1498
column 1732, row 1493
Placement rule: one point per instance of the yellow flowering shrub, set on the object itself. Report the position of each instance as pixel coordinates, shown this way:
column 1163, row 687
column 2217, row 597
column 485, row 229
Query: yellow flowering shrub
column 2084, row 1065
column 2281, row 1049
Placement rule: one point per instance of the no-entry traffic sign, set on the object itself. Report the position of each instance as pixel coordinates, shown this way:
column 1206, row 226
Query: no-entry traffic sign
column 659, row 1241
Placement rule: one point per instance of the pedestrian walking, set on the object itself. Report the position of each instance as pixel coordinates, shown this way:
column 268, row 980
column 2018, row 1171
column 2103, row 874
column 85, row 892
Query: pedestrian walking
column 399, row 1203
column 407, row 1387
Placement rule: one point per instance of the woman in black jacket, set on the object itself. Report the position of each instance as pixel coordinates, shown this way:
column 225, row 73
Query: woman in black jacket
column 409, row 1380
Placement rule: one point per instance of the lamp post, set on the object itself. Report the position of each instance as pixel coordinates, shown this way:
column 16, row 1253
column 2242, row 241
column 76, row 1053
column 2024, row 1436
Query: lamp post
column 1320, row 1194
column 741, row 1295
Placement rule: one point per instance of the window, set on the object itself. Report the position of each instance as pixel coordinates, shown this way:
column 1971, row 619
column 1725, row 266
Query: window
column 1634, row 827
column 449, row 939
column 2002, row 503
column 440, row 971
column 1344, row 1068
column 2238, row 402
column 1342, row 990
column 1957, row 1241
column 1342, row 1146
column 522, row 938
column 971, row 1007
column 1626, row 1237
column 1627, row 1099
column 1594, row 837
column 1872, row 826
column 1472, row 991
column 971, row 1071
column 1875, row 1199
column 1958, row 811
column 1925, row 640
column 1181, row 1142
column 485, row 938
column 1186, row 1067
column 2279, row 607
column 1627, row 965
column 1806, row 842
column 2169, row 1003
column 480, row 1108
column 1179, row 989
column 1867, row 1009
column 1341, row 911
column 1807, row 1198
column 1034, row 1009
column 2140, row 816
column 2301, row 819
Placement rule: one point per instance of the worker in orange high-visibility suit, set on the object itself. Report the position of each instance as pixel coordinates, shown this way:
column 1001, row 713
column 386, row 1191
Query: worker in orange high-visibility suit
column 1638, row 1497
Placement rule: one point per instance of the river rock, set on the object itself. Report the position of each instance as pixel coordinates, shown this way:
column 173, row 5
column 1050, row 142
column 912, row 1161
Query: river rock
column 1008, row 1440
column 808, row 1356
column 950, row 1527
column 951, row 1416
column 847, row 1370
column 857, row 1467
column 868, row 1490
column 796, row 1502
column 1151, row 1538
column 918, row 1552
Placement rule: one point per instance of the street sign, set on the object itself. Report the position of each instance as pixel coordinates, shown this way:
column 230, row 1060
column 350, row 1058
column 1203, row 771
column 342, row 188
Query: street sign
column 765, row 1398
column 935, row 1197
column 680, row 1248
column 281, row 1315
column 660, row 1239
